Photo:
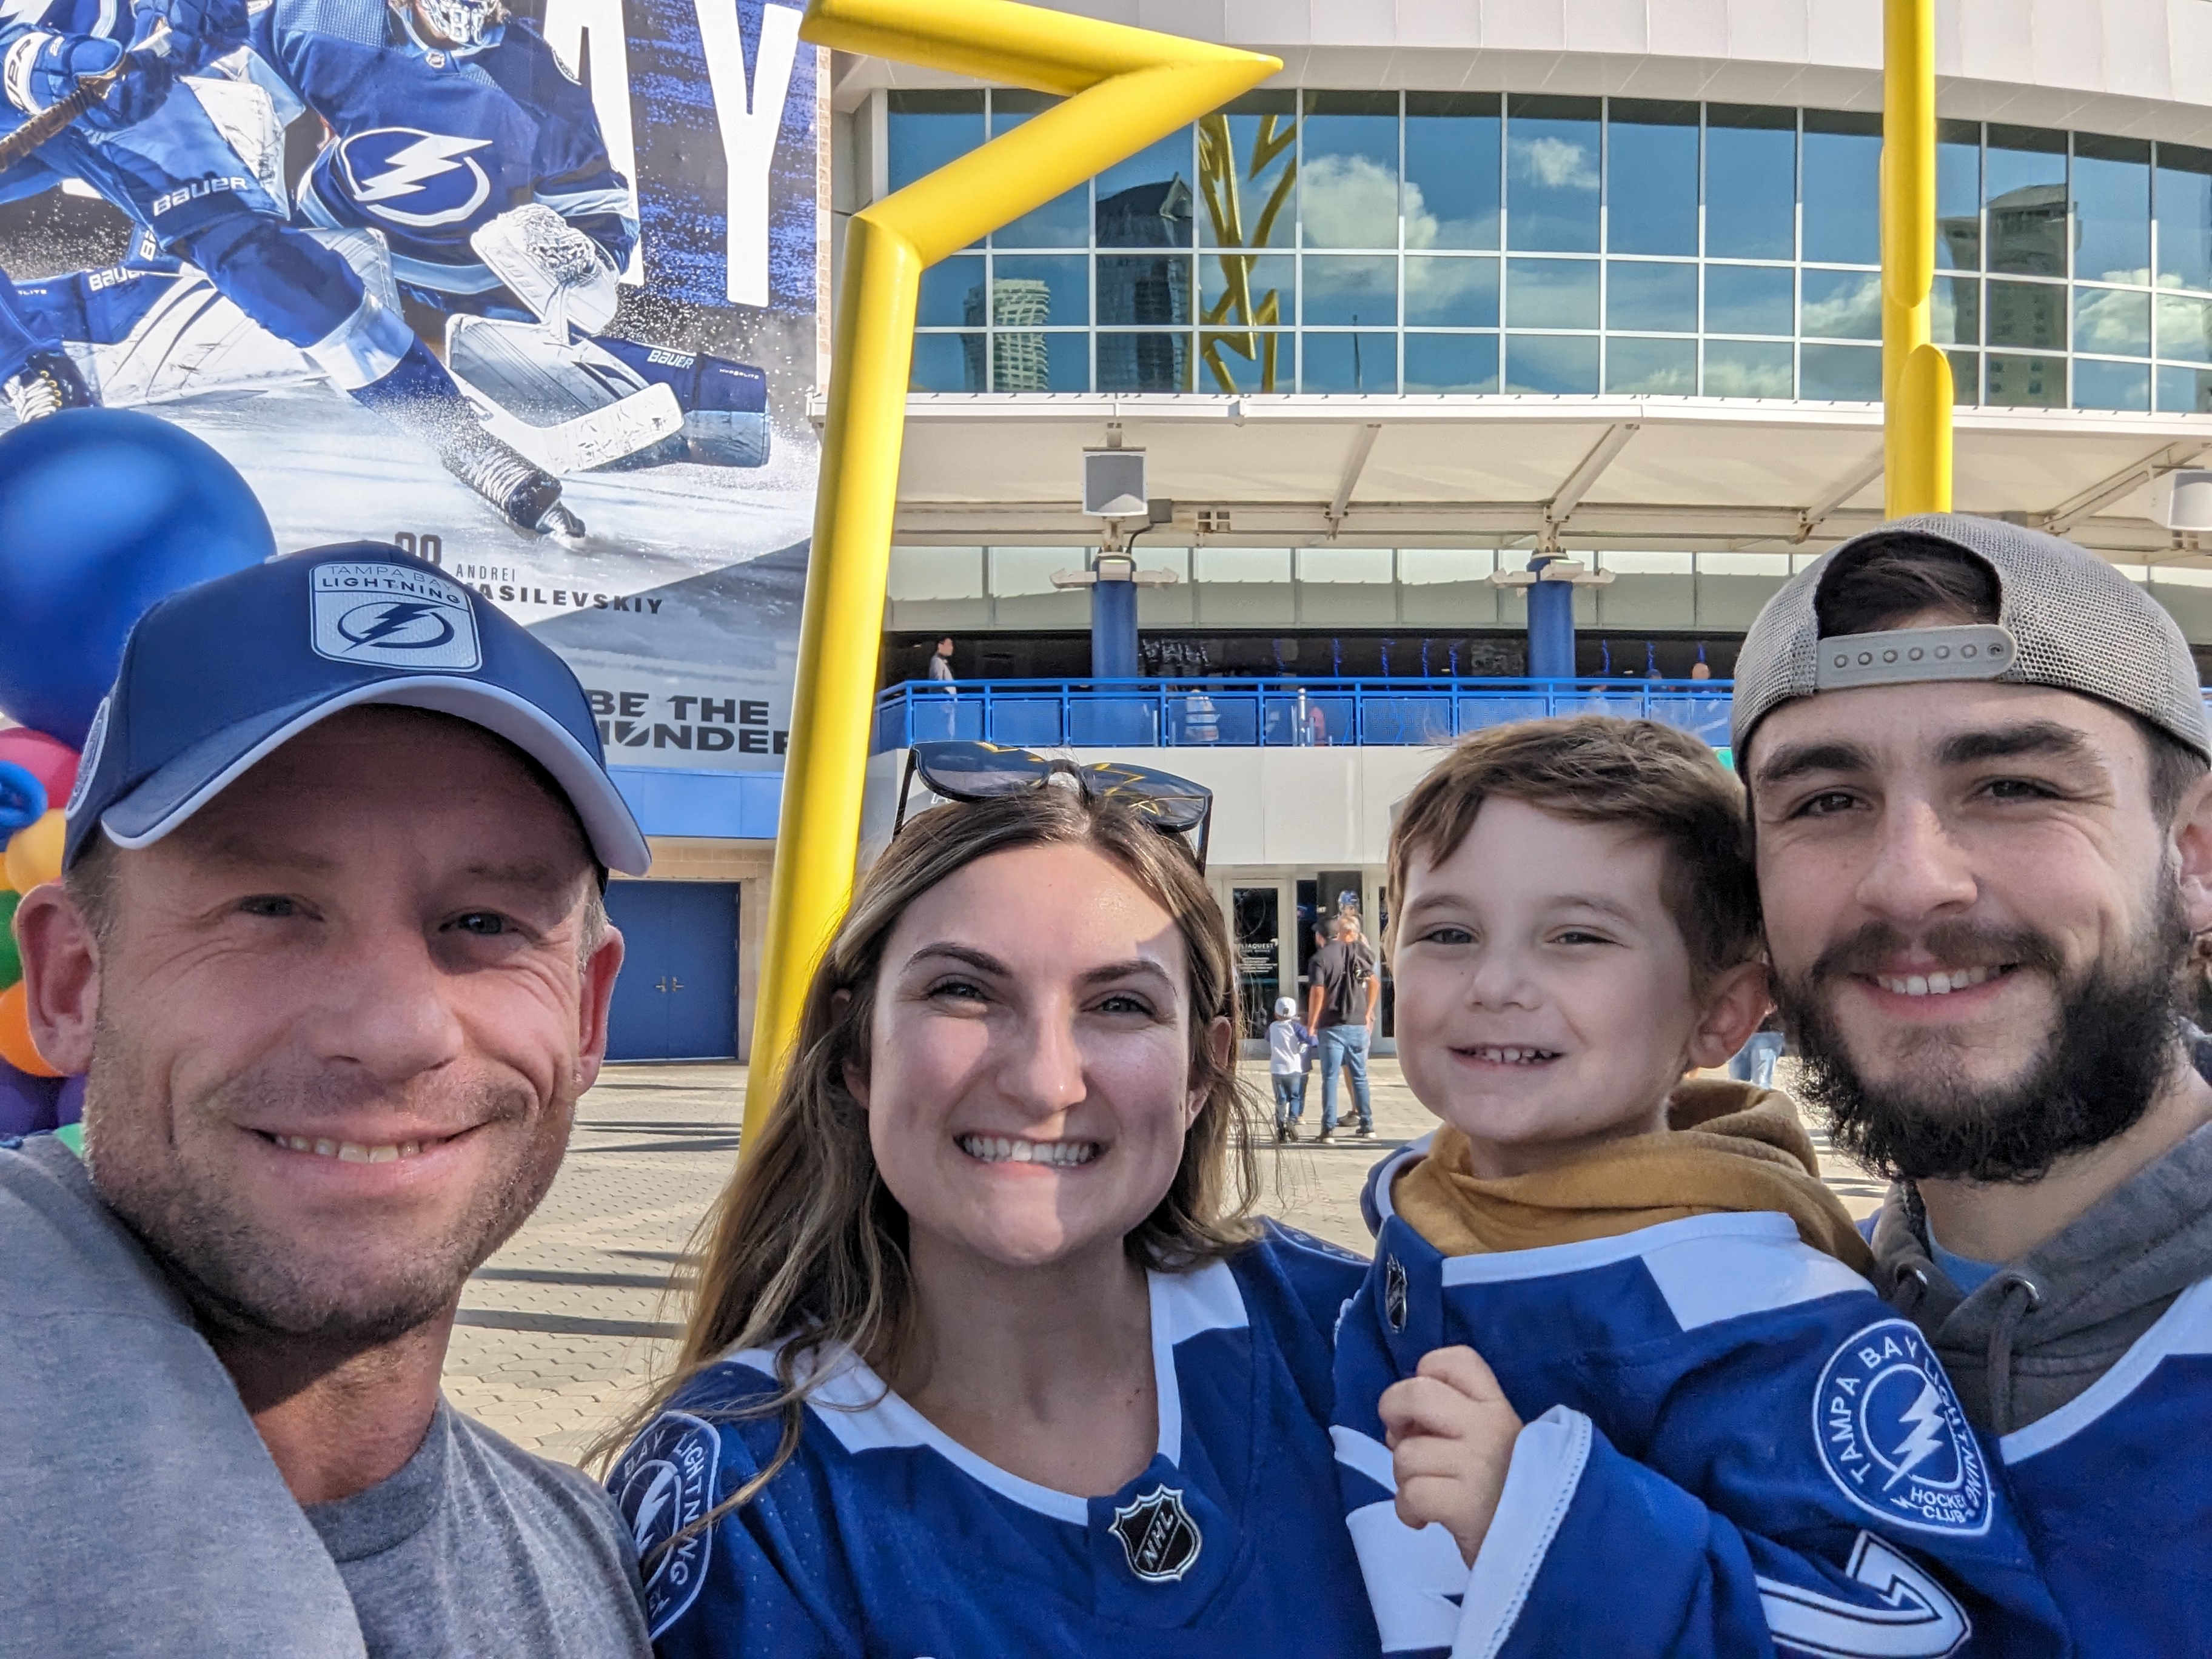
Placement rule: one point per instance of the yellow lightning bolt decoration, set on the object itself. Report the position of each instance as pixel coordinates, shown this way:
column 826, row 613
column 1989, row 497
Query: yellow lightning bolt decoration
column 1125, row 89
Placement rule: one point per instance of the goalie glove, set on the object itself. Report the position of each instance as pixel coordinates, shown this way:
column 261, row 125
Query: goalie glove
column 553, row 268
column 40, row 69
column 203, row 30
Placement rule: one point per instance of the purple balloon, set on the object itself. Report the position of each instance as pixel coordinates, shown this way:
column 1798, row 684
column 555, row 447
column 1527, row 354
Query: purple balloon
column 69, row 1105
column 27, row 1103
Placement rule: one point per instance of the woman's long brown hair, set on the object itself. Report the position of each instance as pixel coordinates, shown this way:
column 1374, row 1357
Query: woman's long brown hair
column 806, row 1247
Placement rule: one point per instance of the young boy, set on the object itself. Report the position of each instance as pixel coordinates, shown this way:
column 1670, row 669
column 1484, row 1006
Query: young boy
column 1614, row 1385
column 1290, row 1049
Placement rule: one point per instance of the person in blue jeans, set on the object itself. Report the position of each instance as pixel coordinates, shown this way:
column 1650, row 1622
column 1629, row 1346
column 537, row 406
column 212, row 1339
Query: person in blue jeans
column 1342, row 994
column 1290, row 1051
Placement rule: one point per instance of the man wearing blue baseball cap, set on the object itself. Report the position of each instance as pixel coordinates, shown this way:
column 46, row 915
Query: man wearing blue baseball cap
column 331, row 950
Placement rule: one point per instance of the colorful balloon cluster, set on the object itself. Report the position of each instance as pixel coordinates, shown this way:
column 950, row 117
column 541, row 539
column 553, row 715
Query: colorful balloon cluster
column 103, row 513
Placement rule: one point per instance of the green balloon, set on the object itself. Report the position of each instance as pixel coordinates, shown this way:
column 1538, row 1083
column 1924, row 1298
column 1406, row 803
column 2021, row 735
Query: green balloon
column 11, row 960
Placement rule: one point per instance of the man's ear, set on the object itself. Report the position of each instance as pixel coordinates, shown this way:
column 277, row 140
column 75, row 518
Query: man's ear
column 61, row 975
column 2191, row 841
column 1736, row 1004
column 599, row 995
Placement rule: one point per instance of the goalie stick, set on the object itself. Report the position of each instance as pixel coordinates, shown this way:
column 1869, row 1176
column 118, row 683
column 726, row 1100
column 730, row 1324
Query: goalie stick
column 58, row 115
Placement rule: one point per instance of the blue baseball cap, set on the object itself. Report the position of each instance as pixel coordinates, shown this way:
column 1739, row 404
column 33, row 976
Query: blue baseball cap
column 218, row 676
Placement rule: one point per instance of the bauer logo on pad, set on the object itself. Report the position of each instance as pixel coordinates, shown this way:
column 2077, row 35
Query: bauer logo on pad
column 394, row 617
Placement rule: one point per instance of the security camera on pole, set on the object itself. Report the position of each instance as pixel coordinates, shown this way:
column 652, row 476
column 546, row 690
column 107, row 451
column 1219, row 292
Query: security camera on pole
column 1113, row 490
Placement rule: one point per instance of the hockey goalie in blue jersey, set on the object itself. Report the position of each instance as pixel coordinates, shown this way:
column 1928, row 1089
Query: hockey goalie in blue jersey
column 1614, row 1383
column 984, row 1362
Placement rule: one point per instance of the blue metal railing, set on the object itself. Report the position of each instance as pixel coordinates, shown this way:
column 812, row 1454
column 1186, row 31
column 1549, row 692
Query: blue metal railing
column 1167, row 713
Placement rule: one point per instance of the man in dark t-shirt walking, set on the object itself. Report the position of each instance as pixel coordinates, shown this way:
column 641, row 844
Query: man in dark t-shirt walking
column 1343, row 990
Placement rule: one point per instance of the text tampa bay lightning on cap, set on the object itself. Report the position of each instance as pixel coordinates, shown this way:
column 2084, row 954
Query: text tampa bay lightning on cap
column 216, row 676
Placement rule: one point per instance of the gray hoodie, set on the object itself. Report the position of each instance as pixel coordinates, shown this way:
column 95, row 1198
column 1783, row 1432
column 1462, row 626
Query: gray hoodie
column 2044, row 1328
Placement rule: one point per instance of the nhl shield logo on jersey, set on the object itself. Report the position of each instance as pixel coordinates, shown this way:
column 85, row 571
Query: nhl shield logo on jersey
column 1894, row 1438
column 1158, row 1536
column 663, row 1484
column 1393, row 1292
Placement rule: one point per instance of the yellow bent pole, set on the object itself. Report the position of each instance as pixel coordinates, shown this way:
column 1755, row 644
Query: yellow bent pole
column 1125, row 89
column 1915, row 376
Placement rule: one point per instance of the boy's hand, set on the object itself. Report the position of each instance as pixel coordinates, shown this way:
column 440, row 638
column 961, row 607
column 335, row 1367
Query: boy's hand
column 1451, row 1434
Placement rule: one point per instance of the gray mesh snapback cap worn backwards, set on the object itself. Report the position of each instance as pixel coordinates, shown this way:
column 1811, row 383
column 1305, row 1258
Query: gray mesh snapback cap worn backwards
column 2066, row 619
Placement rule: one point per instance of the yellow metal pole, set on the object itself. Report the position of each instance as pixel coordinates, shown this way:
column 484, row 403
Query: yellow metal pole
column 1915, row 376
column 1125, row 89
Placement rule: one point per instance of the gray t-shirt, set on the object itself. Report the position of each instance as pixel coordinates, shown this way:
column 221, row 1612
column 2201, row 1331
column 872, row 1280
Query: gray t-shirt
column 141, row 1515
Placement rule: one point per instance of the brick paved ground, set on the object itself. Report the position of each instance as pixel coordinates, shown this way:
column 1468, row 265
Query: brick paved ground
column 560, row 1332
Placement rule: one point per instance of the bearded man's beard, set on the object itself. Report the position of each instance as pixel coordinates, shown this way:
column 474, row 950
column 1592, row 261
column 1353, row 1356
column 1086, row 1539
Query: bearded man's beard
column 2116, row 1041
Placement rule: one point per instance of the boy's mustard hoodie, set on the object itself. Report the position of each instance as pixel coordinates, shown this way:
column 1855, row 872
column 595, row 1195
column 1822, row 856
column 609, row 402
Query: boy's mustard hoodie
column 1728, row 1147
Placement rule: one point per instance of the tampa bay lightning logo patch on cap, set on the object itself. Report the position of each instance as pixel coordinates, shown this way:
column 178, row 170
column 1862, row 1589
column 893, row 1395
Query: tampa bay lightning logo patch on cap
column 665, row 1483
column 1894, row 1438
column 392, row 616
column 1158, row 1536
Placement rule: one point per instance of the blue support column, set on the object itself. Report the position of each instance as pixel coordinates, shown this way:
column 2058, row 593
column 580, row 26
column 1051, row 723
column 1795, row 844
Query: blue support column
column 1114, row 620
column 1551, row 624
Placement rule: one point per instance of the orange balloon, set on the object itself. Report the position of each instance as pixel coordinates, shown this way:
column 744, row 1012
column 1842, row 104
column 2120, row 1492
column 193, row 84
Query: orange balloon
column 16, row 1045
column 34, row 851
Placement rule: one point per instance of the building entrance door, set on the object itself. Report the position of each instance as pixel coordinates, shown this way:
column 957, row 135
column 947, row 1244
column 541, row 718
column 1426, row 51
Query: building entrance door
column 1256, row 915
column 677, row 995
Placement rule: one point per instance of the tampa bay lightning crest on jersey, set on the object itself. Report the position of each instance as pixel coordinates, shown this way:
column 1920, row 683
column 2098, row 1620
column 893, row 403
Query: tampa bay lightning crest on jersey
column 666, row 1483
column 414, row 177
column 1892, row 1435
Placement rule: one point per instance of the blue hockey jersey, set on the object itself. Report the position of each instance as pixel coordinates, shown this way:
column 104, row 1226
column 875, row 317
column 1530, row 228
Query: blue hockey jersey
column 1733, row 1446
column 431, row 144
column 2116, row 1490
column 883, row 1536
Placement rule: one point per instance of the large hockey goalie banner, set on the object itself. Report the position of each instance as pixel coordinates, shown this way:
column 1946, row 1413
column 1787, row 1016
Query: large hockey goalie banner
column 530, row 290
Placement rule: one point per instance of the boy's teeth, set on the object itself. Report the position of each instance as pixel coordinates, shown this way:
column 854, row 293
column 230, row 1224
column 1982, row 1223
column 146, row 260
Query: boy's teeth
column 351, row 1152
column 1935, row 985
column 1516, row 1056
column 1002, row 1149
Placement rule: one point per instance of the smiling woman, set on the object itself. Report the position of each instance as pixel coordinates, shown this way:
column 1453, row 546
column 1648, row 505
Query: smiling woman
column 985, row 1358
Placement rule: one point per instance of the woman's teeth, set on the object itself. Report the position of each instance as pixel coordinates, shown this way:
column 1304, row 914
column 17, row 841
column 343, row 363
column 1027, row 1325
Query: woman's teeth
column 1935, row 985
column 351, row 1152
column 1500, row 1056
column 998, row 1149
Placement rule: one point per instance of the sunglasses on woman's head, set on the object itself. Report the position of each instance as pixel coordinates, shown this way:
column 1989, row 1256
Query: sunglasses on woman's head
column 971, row 772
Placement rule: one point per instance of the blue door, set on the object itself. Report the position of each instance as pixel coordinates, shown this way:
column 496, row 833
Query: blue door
column 677, row 995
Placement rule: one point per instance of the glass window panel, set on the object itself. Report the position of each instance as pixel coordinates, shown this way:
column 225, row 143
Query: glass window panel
column 1241, row 564
column 2185, row 391
column 1751, row 182
column 1451, row 169
column 1551, row 173
column 1247, row 173
column 1955, row 310
column 2112, row 203
column 1662, row 368
column 1843, row 187
column 948, row 362
column 2112, row 321
column 1551, row 293
column 1660, row 297
column 1348, row 362
column 1966, row 376
column 1841, row 305
column 1249, row 360
column 1027, row 570
column 1343, row 564
column 1750, row 300
column 1152, row 288
column 1065, row 221
column 2184, row 329
column 1450, row 293
column 1348, row 171
column 1146, row 201
column 2111, row 385
column 951, row 294
column 938, row 573
column 2023, row 382
column 1260, row 290
column 2183, row 201
column 2027, row 179
column 1846, row 373
column 1347, row 287
column 926, row 129
column 1035, row 290
column 1451, row 363
column 1651, row 177
column 1143, row 362
column 1958, row 195
column 1748, row 368
column 1561, row 363
column 2029, row 314
column 1024, row 361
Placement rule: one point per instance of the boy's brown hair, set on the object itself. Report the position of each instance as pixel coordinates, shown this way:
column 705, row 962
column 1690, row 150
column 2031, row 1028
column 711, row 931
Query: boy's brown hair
column 1594, row 768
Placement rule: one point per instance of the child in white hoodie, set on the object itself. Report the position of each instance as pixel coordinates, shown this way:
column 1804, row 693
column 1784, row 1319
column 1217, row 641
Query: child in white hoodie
column 1290, row 1047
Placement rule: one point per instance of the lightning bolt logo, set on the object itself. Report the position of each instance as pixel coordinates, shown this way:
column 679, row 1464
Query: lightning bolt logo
column 391, row 619
column 1925, row 1415
column 405, row 170
column 431, row 173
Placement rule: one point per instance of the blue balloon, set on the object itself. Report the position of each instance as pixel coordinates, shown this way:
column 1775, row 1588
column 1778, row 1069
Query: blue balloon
column 102, row 512
column 22, row 798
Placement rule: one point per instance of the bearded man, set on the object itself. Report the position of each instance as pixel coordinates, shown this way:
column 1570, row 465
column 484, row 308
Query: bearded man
column 1978, row 757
